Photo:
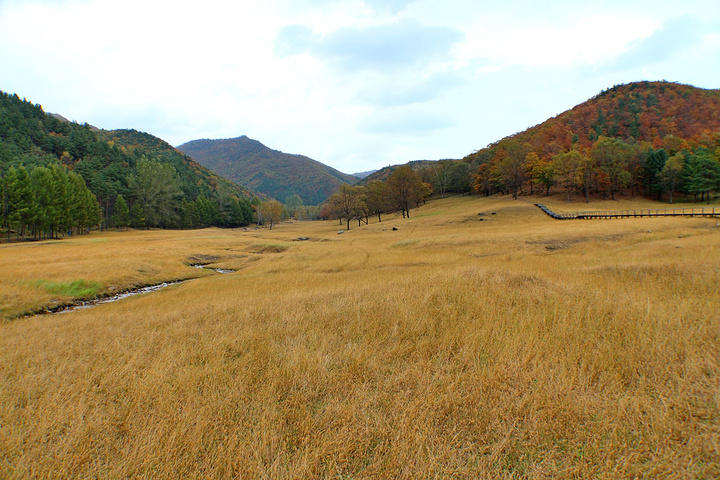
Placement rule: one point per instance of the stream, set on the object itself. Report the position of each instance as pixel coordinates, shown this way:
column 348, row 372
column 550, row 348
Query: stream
column 218, row 270
column 82, row 305
column 99, row 301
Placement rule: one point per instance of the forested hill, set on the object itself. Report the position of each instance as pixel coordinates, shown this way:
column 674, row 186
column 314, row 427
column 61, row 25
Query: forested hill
column 651, row 138
column 662, row 114
column 279, row 175
column 157, row 184
column 197, row 179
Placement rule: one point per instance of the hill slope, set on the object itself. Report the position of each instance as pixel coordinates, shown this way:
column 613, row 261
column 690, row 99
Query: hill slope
column 620, row 139
column 108, row 161
column 663, row 114
column 274, row 173
column 197, row 178
column 648, row 121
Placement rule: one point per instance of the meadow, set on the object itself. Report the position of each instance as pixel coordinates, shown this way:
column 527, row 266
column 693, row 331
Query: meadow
column 481, row 339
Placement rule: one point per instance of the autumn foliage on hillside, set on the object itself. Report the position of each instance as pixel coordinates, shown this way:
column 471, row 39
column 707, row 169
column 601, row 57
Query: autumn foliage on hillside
column 620, row 140
column 666, row 115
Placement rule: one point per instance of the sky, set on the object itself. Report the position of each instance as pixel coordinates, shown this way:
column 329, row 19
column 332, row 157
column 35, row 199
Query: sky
column 354, row 84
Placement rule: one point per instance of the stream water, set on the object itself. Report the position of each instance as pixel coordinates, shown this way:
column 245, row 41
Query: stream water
column 218, row 270
column 131, row 293
column 115, row 298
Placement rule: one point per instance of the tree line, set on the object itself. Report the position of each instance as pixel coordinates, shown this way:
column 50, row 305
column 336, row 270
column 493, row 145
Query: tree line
column 46, row 202
column 609, row 167
column 158, row 201
column 269, row 213
column 606, row 168
column 403, row 191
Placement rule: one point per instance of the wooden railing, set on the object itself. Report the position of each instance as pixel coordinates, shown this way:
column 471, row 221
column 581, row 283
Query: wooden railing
column 645, row 212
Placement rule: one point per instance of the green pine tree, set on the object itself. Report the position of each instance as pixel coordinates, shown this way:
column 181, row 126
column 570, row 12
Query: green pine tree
column 137, row 216
column 122, row 213
column 20, row 200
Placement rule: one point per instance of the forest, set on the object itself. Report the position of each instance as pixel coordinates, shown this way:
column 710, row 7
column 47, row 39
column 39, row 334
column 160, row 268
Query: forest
column 61, row 178
column 44, row 202
column 655, row 139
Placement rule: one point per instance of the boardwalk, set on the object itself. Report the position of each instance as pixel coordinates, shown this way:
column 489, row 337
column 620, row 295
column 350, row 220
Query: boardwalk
column 649, row 212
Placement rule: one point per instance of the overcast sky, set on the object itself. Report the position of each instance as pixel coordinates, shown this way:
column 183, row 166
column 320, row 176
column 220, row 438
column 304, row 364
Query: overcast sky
column 357, row 85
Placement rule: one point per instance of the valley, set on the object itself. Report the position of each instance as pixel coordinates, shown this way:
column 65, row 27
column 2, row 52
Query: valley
column 359, row 239
column 479, row 338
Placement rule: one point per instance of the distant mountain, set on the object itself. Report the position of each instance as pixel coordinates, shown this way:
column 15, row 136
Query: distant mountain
column 362, row 175
column 59, row 117
column 197, row 178
column 277, row 174
column 384, row 173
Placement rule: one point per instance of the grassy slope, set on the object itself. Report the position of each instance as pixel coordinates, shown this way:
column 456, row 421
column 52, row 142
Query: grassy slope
column 516, row 347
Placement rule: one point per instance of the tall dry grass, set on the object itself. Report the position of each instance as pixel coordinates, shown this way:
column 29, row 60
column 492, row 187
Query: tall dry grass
column 512, row 347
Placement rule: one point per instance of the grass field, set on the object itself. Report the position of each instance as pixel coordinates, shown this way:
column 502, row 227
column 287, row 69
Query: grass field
column 501, row 345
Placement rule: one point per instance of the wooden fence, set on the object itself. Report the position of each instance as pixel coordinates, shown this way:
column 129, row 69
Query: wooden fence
column 645, row 212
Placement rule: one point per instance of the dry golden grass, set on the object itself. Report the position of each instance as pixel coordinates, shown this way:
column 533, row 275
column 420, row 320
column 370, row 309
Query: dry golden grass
column 513, row 347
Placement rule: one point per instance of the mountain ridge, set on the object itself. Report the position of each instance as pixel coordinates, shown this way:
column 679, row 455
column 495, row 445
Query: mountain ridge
column 361, row 175
column 280, row 175
column 620, row 138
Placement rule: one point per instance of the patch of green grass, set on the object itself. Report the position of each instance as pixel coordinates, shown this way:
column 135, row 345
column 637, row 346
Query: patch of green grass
column 76, row 288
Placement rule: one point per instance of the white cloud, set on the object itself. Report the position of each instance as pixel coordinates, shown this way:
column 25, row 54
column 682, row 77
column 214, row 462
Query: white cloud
column 385, row 47
column 672, row 37
column 357, row 84
column 411, row 121
column 389, row 91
